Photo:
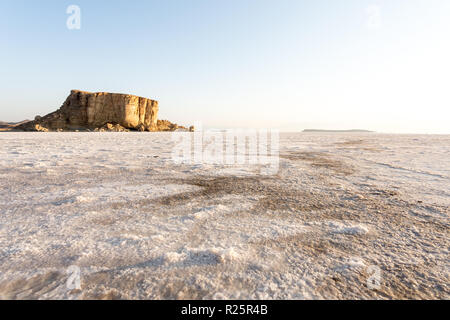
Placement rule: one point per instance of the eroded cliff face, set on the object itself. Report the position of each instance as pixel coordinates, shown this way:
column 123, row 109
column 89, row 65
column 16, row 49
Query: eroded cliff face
column 85, row 110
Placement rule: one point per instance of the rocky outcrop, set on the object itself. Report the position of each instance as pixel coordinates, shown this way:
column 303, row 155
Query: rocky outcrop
column 111, row 128
column 85, row 110
column 165, row 125
column 10, row 126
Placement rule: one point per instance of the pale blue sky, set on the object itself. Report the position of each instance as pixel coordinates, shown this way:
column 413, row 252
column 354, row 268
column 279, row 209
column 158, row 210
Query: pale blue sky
column 237, row 63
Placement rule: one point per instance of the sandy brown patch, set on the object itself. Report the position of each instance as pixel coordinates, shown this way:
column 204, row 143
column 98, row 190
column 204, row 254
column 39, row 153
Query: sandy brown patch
column 271, row 195
column 358, row 144
column 320, row 160
column 351, row 142
column 104, row 221
column 32, row 288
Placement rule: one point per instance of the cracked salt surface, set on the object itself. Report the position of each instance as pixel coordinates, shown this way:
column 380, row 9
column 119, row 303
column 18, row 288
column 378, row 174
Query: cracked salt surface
column 140, row 227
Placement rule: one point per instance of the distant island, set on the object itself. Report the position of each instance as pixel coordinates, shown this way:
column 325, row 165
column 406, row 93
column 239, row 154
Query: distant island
column 337, row 131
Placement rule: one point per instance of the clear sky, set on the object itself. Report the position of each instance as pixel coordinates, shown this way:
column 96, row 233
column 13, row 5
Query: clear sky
column 373, row 64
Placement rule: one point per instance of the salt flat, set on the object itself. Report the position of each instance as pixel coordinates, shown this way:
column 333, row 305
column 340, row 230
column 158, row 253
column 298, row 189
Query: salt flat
column 347, row 216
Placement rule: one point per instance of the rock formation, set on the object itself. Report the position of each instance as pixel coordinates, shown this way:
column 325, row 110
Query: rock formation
column 164, row 125
column 9, row 126
column 102, row 111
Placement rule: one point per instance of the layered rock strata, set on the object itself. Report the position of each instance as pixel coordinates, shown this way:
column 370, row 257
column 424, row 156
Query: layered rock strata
column 85, row 110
